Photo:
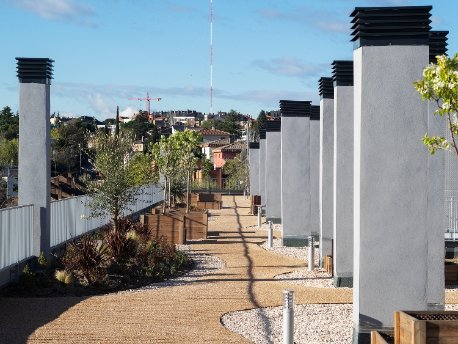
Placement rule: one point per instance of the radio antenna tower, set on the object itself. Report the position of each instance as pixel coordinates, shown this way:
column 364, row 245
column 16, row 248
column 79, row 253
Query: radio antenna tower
column 211, row 56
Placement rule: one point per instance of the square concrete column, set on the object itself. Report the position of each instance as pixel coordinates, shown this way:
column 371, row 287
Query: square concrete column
column 273, row 171
column 295, row 171
column 253, row 159
column 392, row 182
column 34, row 173
column 315, row 170
column 436, row 182
column 343, row 174
column 262, row 165
column 326, row 165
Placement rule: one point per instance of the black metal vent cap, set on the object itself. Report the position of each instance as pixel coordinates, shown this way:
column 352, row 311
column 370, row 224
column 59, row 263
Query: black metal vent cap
column 262, row 133
column 326, row 88
column 273, row 125
column 437, row 44
column 34, row 70
column 342, row 73
column 253, row 145
column 294, row 108
column 315, row 113
column 380, row 26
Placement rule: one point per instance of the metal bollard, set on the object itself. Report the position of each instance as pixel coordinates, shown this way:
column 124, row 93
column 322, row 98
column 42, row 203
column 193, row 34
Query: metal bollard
column 259, row 216
column 270, row 241
column 311, row 254
column 288, row 317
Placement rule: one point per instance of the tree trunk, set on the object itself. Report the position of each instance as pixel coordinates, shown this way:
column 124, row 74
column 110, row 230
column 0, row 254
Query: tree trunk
column 188, row 195
column 170, row 195
column 165, row 196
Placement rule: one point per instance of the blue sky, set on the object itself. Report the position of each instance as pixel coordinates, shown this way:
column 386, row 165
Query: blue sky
column 107, row 51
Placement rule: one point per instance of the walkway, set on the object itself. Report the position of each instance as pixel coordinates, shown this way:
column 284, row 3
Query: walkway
column 180, row 314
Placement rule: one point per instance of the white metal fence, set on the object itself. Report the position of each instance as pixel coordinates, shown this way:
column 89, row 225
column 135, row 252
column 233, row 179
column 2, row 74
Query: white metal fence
column 16, row 234
column 69, row 219
column 451, row 208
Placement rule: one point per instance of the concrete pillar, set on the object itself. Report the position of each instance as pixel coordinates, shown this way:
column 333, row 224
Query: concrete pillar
column 273, row 171
column 393, row 236
column 262, row 165
column 34, row 173
column 343, row 174
column 295, row 172
column 326, row 165
column 436, row 184
column 315, row 170
column 253, row 160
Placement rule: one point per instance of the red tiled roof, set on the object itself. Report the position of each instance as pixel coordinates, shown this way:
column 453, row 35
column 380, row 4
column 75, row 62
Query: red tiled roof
column 234, row 147
column 218, row 143
column 213, row 132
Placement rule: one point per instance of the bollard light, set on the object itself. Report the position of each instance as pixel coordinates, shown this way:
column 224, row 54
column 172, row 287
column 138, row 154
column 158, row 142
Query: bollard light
column 311, row 254
column 270, row 235
column 259, row 216
column 288, row 317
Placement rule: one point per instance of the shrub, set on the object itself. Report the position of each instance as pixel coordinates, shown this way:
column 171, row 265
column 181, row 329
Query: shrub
column 42, row 260
column 28, row 279
column 64, row 277
column 87, row 259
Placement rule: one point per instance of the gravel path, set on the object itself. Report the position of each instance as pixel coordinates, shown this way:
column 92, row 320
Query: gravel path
column 313, row 324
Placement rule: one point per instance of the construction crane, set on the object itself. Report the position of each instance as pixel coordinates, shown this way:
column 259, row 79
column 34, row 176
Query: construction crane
column 148, row 100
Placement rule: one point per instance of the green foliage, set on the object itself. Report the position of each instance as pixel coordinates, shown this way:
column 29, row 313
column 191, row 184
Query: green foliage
column 9, row 124
column 229, row 124
column 140, row 127
column 120, row 179
column 142, row 169
column 259, row 123
column 238, row 174
column 87, row 259
column 28, row 279
column 440, row 84
column 63, row 277
column 42, row 260
column 9, row 151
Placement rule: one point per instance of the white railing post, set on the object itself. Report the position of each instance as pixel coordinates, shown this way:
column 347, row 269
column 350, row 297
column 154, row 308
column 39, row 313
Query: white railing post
column 311, row 254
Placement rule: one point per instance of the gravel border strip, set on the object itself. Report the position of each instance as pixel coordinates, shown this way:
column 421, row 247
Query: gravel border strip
column 313, row 324
column 203, row 265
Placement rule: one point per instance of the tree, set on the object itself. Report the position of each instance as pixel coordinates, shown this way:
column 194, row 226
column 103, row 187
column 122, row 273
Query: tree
column 120, row 180
column 9, row 151
column 440, row 84
column 187, row 143
column 260, row 121
column 9, row 124
column 166, row 157
column 237, row 172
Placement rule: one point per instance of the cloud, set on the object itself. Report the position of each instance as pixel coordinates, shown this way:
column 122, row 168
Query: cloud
column 127, row 112
column 289, row 66
column 302, row 16
column 58, row 10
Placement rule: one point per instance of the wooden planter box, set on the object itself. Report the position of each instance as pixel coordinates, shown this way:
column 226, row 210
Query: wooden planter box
column 196, row 224
column 425, row 327
column 327, row 264
column 206, row 200
column 451, row 274
column 168, row 225
column 382, row 338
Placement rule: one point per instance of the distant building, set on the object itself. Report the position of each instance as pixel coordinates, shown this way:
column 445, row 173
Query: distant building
column 208, row 147
column 229, row 152
column 209, row 135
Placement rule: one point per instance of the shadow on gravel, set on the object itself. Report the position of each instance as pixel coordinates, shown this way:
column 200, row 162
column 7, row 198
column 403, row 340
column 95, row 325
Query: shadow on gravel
column 20, row 317
column 251, row 280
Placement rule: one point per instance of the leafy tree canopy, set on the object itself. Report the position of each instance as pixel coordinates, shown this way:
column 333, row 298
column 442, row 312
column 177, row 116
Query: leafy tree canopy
column 9, row 124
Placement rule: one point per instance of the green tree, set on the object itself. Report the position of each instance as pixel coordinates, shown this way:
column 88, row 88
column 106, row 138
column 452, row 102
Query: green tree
column 9, row 151
column 237, row 173
column 440, row 84
column 9, row 124
column 166, row 158
column 120, row 181
column 258, row 124
column 187, row 143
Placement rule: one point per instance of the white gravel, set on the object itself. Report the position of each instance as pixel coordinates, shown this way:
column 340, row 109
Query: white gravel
column 293, row 252
column 313, row 324
column 203, row 265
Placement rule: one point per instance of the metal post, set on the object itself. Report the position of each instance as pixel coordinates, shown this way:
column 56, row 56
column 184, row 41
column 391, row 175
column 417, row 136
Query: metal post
column 288, row 317
column 311, row 254
column 259, row 216
column 270, row 235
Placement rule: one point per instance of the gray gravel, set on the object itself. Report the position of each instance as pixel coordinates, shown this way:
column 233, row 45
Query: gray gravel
column 314, row 324
column 203, row 265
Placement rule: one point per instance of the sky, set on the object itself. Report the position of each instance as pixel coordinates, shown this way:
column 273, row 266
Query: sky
column 107, row 51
